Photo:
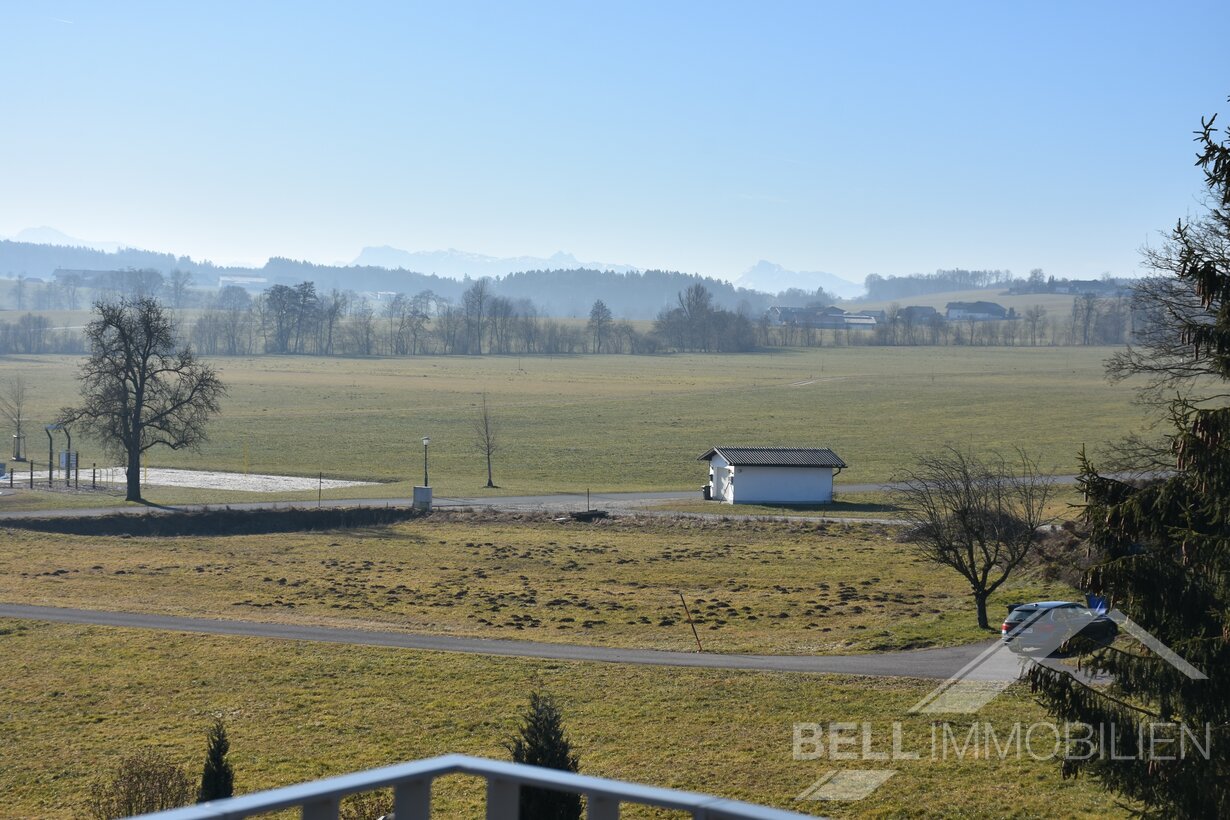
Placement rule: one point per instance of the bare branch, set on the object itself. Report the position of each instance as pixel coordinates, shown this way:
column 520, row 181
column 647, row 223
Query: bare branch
column 977, row 516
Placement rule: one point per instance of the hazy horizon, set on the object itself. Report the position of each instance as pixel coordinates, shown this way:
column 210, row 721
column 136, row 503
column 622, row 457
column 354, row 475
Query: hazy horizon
column 881, row 138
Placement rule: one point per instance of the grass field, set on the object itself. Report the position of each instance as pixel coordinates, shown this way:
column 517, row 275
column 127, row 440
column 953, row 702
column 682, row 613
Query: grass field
column 76, row 699
column 627, row 422
column 752, row 586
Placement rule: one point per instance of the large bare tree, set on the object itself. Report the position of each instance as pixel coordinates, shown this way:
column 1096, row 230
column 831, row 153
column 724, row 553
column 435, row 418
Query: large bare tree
column 139, row 388
column 976, row 515
column 485, row 440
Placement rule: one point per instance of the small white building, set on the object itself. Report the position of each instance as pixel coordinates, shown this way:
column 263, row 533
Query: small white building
column 772, row 475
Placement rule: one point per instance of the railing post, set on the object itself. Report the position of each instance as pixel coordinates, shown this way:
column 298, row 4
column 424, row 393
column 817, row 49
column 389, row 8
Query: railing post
column 412, row 799
column 601, row 807
column 324, row 809
column 503, row 800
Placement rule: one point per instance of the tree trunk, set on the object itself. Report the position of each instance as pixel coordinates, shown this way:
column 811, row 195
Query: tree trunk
column 490, row 483
column 980, row 600
column 133, row 473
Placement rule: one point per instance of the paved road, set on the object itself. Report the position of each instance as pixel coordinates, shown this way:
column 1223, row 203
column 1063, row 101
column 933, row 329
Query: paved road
column 921, row 663
column 559, row 502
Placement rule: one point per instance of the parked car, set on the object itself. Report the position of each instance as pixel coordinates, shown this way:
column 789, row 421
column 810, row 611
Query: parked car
column 1050, row 624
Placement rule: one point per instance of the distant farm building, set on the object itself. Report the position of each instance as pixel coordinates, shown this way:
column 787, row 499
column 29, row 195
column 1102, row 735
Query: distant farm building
column 771, row 475
column 918, row 314
column 976, row 311
column 828, row 318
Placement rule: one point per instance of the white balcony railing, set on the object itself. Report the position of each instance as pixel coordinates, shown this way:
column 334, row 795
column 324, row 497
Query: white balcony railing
column 411, row 784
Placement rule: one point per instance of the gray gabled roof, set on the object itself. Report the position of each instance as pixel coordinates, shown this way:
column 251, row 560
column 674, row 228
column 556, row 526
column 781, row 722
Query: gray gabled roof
column 776, row 456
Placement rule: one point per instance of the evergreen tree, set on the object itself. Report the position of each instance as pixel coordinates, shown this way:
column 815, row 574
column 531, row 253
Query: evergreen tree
column 1163, row 545
column 217, row 779
column 541, row 742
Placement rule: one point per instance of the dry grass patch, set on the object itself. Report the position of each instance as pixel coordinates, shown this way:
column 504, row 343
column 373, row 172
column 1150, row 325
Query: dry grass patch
column 750, row 586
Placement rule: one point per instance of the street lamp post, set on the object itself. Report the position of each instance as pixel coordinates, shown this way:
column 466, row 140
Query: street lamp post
column 426, row 441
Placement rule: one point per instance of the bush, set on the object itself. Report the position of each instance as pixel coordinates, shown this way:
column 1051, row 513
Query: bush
column 146, row 782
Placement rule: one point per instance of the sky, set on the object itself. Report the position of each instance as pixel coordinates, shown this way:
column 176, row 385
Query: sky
column 853, row 138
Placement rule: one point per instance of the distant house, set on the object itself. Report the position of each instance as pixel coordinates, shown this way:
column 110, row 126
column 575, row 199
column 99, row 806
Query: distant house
column 245, row 282
column 828, row 318
column 1100, row 287
column 977, row 311
column 772, row 475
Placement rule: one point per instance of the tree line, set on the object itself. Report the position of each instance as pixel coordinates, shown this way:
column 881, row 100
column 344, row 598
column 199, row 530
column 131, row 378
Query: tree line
column 303, row 320
column 881, row 288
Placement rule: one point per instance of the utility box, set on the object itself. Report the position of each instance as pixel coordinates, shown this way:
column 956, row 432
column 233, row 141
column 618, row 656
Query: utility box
column 422, row 498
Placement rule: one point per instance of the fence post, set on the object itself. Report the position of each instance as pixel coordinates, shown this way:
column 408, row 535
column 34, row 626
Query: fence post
column 413, row 799
column 503, row 799
column 77, row 472
column 31, row 474
column 94, row 476
column 326, row 808
column 601, row 807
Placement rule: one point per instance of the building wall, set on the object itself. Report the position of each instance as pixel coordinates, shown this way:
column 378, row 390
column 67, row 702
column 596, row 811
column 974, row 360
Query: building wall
column 779, row 485
column 719, row 476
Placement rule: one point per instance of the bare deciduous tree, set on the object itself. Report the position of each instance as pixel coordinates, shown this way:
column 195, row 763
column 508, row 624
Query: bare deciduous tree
column 978, row 516
column 13, row 404
column 139, row 389
column 178, row 285
column 485, row 440
column 1035, row 319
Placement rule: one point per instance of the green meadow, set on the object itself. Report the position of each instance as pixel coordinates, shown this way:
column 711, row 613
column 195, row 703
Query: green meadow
column 613, row 423
column 77, row 699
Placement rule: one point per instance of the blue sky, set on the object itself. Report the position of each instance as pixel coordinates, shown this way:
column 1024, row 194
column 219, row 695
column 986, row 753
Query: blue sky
column 854, row 138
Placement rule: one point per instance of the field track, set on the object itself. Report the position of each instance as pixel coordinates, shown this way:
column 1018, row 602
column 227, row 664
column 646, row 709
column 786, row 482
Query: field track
column 938, row 663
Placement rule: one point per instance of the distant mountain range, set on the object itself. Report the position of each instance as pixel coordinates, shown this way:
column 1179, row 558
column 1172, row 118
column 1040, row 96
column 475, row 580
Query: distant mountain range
column 50, row 236
column 559, row 285
column 772, row 278
column 457, row 264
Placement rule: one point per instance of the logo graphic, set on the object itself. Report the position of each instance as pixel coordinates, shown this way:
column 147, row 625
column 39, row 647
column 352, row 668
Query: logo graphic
column 1033, row 639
